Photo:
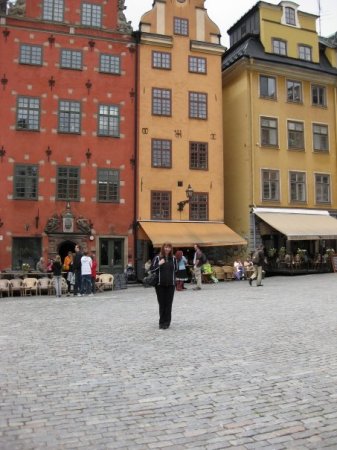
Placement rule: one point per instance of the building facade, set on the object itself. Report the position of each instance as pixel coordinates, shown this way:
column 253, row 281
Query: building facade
column 67, row 137
column 180, row 159
column 279, row 102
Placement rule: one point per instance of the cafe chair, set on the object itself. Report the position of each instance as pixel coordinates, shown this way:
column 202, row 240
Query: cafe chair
column 4, row 288
column 15, row 286
column 106, row 281
column 228, row 273
column 44, row 286
column 29, row 285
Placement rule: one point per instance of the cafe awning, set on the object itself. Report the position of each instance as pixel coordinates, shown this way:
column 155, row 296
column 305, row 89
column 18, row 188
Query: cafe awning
column 185, row 234
column 300, row 225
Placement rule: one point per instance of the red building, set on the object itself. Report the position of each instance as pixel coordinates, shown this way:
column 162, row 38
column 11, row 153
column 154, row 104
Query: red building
column 67, row 131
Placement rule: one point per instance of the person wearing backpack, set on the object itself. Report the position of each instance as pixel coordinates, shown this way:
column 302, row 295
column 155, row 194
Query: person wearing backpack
column 258, row 259
column 198, row 261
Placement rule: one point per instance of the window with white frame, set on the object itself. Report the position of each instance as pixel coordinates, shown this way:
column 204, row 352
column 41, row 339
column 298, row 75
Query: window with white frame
column 290, row 16
column 270, row 185
column 294, row 91
column 305, row 52
column 322, row 188
column 321, row 137
column 267, row 87
column 279, row 47
column 53, row 10
column 318, row 95
column 295, row 135
column 297, row 182
column 269, row 132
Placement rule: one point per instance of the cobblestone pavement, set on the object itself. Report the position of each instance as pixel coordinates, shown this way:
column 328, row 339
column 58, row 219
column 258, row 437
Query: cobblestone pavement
column 240, row 368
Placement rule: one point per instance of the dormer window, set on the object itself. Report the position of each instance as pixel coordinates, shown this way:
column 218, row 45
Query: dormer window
column 290, row 14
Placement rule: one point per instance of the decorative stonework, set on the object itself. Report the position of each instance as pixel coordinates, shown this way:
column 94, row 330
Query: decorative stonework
column 123, row 25
column 17, row 8
column 67, row 223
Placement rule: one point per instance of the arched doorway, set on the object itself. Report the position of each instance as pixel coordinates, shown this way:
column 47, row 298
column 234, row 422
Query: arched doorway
column 65, row 247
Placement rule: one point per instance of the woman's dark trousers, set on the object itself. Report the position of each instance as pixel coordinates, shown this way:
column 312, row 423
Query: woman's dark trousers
column 165, row 296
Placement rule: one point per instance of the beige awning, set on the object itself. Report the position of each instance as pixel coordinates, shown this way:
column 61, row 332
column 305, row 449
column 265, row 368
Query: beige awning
column 185, row 234
column 301, row 226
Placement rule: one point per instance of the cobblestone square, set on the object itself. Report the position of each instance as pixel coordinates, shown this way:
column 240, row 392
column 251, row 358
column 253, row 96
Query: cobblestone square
column 240, row 368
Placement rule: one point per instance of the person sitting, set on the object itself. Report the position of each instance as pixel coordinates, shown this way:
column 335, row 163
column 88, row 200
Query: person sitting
column 238, row 269
column 40, row 266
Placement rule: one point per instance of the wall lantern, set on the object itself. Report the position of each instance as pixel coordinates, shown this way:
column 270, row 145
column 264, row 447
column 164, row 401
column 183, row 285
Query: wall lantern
column 189, row 194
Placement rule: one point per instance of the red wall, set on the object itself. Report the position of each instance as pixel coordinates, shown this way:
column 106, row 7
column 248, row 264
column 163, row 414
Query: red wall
column 67, row 149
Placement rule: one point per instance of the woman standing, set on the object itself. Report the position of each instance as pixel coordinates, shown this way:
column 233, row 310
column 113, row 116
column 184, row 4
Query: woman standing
column 181, row 274
column 167, row 266
column 57, row 271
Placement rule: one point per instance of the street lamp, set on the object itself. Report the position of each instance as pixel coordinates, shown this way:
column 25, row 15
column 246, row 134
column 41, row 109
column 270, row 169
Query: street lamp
column 189, row 194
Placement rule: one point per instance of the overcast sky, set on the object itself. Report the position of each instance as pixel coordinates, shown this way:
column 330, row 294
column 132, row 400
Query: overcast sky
column 226, row 12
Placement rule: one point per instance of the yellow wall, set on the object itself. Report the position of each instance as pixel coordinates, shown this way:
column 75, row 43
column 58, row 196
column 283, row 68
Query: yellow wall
column 180, row 81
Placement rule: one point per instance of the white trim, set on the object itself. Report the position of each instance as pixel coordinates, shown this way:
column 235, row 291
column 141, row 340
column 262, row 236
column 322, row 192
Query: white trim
column 315, row 212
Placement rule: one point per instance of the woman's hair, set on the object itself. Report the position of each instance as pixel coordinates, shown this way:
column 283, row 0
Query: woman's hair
column 162, row 251
column 58, row 258
column 179, row 255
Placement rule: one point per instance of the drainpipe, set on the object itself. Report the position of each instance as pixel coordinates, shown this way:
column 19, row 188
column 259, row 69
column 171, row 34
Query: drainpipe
column 252, row 147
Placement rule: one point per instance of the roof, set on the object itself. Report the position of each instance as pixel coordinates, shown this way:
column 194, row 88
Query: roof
column 251, row 47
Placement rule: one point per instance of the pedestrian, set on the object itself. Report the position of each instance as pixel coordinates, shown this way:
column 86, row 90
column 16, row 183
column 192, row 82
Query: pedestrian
column 93, row 273
column 167, row 266
column 258, row 260
column 86, row 265
column 40, row 266
column 67, row 267
column 77, row 270
column 198, row 261
column 182, row 273
column 57, row 275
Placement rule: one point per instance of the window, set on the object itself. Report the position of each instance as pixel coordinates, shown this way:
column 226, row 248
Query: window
column 181, row 26
column 197, row 65
column 318, row 95
column 197, row 105
column 161, row 60
column 297, row 187
column 28, row 114
column 161, row 153
column 295, row 135
column 91, row 15
column 31, row 54
column 68, row 183
column 198, row 155
column 267, row 87
column 269, row 134
column 25, row 182
column 270, row 185
column 108, row 120
column 71, row 59
column 161, row 102
column 279, row 47
column 322, row 186
column 290, row 16
column 199, row 206
column 160, row 205
column 305, row 52
column 110, row 64
column 53, row 10
column 321, row 138
column 108, row 185
column 294, row 91
column 69, row 117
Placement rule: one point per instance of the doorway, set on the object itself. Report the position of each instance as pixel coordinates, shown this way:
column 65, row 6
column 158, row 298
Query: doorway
column 66, row 247
column 111, row 255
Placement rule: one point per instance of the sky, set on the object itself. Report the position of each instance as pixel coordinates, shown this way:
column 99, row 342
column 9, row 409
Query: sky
column 226, row 12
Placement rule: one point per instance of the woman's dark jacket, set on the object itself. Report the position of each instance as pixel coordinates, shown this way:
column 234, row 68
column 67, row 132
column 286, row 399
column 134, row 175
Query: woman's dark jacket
column 167, row 271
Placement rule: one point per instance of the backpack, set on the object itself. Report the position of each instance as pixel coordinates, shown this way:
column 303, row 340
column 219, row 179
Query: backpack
column 256, row 257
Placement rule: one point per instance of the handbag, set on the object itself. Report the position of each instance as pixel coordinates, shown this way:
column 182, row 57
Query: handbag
column 151, row 280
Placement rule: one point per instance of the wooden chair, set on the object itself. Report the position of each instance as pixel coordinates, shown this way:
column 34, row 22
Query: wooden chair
column 29, row 285
column 106, row 281
column 219, row 273
column 44, row 285
column 16, row 286
column 228, row 273
column 4, row 287
column 64, row 286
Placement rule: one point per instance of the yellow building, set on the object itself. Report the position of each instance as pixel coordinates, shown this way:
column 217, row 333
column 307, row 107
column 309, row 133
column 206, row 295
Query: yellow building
column 280, row 155
column 180, row 144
